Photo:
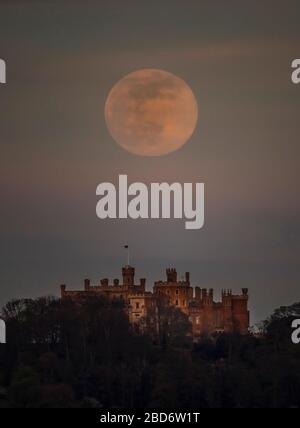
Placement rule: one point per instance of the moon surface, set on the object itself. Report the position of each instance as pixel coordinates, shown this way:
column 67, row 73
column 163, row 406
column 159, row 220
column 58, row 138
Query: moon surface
column 151, row 112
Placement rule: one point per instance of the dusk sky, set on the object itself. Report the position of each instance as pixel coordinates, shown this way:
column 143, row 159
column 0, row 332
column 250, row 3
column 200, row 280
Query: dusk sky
column 63, row 58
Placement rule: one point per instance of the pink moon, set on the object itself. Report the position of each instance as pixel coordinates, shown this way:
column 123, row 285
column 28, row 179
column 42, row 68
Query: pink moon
column 151, row 112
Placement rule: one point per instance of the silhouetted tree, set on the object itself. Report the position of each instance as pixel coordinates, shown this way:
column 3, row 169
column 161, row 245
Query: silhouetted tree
column 62, row 353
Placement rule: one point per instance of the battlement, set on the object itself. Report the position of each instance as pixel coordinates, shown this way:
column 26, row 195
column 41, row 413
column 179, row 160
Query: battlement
column 171, row 284
column 140, row 294
column 206, row 315
column 227, row 294
column 202, row 294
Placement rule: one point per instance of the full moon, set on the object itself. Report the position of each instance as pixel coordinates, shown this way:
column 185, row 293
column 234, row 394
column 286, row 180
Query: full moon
column 151, row 112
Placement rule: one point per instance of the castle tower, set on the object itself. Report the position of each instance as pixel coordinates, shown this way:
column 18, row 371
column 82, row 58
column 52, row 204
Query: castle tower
column 198, row 294
column 128, row 275
column 187, row 278
column 143, row 284
column 240, row 312
column 62, row 290
column 171, row 275
column 227, row 310
column 178, row 293
column 87, row 284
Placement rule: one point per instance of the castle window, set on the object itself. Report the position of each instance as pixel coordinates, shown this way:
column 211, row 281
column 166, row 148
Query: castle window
column 176, row 303
column 137, row 315
column 137, row 305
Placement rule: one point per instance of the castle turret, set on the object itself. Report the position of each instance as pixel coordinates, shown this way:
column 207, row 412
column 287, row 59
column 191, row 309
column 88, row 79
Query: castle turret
column 128, row 275
column 104, row 282
column 171, row 275
column 187, row 278
column 87, row 284
column 198, row 294
column 143, row 284
column 207, row 297
column 240, row 312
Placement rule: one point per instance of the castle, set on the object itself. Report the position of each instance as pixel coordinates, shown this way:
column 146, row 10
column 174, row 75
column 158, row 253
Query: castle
column 205, row 315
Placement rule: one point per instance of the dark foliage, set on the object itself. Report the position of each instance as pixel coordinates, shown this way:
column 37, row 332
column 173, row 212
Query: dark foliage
column 85, row 354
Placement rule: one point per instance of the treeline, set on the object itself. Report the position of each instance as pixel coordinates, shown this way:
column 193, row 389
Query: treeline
column 86, row 354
